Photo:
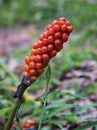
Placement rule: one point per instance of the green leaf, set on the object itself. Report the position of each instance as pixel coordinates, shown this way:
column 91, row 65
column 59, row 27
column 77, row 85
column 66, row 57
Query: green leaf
column 48, row 74
column 86, row 126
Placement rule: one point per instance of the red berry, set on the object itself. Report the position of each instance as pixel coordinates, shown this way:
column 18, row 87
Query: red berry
column 50, row 39
column 44, row 49
column 35, row 46
column 53, row 53
column 39, row 65
column 46, row 34
column 38, row 58
column 39, row 44
column 64, row 28
column 40, row 71
column 57, row 28
column 33, row 52
column 50, row 47
column 64, row 37
column 58, row 48
column 62, row 19
column 32, row 65
column 54, row 22
column 57, row 35
column 57, row 42
column 49, row 26
column 51, row 31
column 45, row 57
column 67, row 22
column 61, row 22
column 45, row 41
column 39, row 51
column 41, row 37
column 69, row 28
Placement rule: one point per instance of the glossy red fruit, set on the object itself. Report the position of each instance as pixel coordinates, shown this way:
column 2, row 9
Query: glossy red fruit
column 39, row 51
column 50, row 39
column 33, row 52
column 58, row 42
column 46, row 34
column 52, row 53
column 40, row 71
column 50, row 47
column 41, row 37
column 62, row 19
column 51, row 31
column 32, row 65
column 64, row 37
column 58, row 48
column 56, row 28
column 39, row 65
column 38, row 58
column 44, row 49
column 57, row 34
column 36, row 45
column 69, row 28
column 49, row 26
column 45, row 41
column 64, row 28
column 45, row 57
column 54, row 22
column 67, row 22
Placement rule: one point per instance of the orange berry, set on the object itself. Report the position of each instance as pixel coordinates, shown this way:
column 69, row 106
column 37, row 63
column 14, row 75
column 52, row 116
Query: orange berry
column 40, row 71
column 57, row 28
column 64, row 28
column 44, row 49
column 32, row 65
column 57, row 35
column 45, row 57
column 64, row 37
column 57, row 42
column 38, row 58
column 33, row 72
column 50, row 47
column 26, row 68
column 50, row 39
column 39, row 65
column 52, row 53
column 61, row 22
column 27, row 59
column 33, row 78
column 32, row 58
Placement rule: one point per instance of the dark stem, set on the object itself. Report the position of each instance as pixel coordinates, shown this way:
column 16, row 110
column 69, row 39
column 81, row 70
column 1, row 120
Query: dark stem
column 26, row 82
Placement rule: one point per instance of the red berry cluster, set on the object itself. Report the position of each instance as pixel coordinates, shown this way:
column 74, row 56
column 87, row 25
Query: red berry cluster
column 29, row 123
column 49, row 43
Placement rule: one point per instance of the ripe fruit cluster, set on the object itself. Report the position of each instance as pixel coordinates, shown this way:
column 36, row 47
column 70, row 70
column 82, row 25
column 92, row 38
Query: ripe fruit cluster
column 49, row 43
column 29, row 123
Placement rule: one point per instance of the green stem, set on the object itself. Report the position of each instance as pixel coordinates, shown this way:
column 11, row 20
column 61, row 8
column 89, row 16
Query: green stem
column 12, row 115
column 43, row 110
column 48, row 73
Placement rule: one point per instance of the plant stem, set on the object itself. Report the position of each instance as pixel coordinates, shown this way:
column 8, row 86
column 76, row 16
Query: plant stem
column 12, row 115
